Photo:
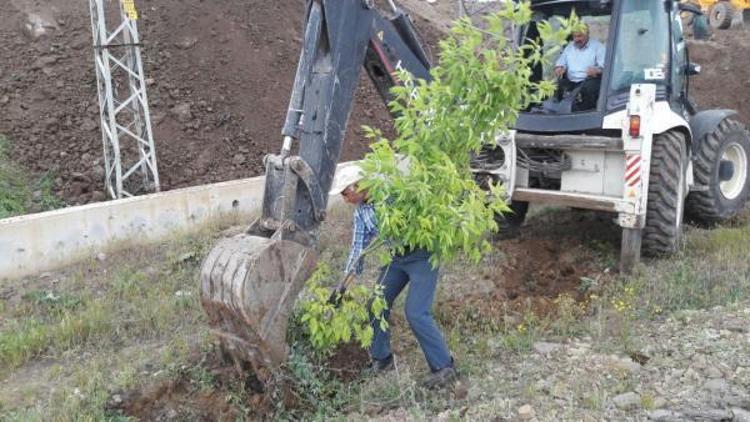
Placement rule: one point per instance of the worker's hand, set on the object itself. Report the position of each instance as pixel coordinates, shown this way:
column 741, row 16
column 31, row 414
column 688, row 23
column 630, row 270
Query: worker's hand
column 559, row 71
column 336, row 294
column 593, row 71
column 338, row 291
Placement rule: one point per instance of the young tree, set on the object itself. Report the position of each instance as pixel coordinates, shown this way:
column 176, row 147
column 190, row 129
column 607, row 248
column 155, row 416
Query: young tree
column 476, row 92
column 482, row 82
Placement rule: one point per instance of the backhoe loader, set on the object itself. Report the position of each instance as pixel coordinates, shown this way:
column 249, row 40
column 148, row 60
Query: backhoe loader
column 644, row 153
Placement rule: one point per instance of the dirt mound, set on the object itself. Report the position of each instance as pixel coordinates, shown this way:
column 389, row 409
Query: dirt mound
column 723, row 82
column 209, row 388
column 219, row 76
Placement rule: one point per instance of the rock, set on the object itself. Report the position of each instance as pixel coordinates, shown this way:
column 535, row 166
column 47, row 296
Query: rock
column 80, row 43
column 4, row 99
column 51, row 125
column 544, row 348
column 89, row 125
column 526, row 412
column 98, row 172
column 186, row 42
column 238, row 159
column 625, row 365
column 44, row 62
column 98, row 196
column 117, row 399
column 101, row 257
column 717, row 386
column 627, row 401
column 80, row 177
column 740, row 415
column 713, row 372
column 157, row 118
column 738, row 397
column 36, row 26
column 690, row 376
column 664, row 415
column 182, row 112
column 659, row 403
column 708, row 415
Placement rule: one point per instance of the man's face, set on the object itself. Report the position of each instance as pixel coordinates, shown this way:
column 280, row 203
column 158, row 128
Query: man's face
column 580, row 39
column 352, row 195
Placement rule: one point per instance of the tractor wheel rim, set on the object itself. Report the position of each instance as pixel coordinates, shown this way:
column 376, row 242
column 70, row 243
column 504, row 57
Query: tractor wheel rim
column 733, row 187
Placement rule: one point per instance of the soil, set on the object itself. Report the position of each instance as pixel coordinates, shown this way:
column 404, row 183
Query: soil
column 219, row 75
column 723, row 83
column 184, row 398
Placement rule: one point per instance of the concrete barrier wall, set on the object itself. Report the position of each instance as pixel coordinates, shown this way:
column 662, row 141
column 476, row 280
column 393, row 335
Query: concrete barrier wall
column 38, row 242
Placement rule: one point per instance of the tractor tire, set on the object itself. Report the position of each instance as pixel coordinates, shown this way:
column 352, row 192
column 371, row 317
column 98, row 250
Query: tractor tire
column 509, row 224
column 666, row 195
column 721, row 199
column 721, row 15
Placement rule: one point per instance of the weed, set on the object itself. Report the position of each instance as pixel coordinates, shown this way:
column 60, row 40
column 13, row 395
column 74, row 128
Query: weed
column 315, row 387
column 22, row 340
column 43, row 199
column 519, row 337
column 19, row 193
column 567, row 315
column 14, row 191
column 53, row 302
column 648, row 401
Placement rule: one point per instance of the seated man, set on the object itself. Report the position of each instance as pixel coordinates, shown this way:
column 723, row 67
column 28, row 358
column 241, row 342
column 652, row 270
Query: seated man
column 581, row 64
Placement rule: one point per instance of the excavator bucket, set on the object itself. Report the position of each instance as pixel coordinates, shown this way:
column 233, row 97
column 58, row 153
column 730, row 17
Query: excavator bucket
column 248, row 287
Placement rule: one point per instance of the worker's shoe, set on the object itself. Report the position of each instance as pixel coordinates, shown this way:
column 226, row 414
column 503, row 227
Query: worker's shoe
column 380, row 366
column 441, row 378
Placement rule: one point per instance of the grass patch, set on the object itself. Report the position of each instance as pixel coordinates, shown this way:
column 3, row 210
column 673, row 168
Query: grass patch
column 136, row 306
column 20, row 193
column 711, row 270
column 14, row 191
column 136, row 318
column 100, row 330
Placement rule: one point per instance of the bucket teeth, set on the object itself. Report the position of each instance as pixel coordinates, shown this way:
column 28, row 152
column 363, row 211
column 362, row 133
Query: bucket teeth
column 249, row 285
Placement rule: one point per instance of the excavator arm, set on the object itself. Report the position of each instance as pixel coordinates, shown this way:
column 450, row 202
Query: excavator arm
column 249, row 282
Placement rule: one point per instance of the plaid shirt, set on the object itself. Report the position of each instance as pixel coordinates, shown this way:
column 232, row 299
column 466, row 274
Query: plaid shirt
column 364, row 229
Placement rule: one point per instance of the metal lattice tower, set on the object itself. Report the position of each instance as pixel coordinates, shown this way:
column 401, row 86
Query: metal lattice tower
column 129, row 152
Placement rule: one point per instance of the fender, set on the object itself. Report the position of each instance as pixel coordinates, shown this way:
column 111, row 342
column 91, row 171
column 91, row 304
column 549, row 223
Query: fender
column 666, row 119
column 705, row 122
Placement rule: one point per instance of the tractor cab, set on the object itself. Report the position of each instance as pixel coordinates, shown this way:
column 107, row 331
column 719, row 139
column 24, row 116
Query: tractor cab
column 642, row 42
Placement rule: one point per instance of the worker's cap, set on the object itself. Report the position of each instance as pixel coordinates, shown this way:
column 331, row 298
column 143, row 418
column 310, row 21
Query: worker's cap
column 352, row 173
column 345, row 176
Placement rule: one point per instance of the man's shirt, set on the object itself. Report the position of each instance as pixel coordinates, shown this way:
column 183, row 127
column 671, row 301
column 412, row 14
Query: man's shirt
column 364, row 229
column 577, row 60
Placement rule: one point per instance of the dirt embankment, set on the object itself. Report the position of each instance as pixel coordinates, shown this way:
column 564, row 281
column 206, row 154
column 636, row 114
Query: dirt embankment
column 724, row 81
column 219, row 78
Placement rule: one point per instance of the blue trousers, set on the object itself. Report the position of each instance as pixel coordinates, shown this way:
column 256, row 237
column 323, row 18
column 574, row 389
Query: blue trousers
column 414, row 269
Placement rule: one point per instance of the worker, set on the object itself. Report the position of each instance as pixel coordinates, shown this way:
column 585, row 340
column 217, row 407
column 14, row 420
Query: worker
column 413, row 268
column 581, row 64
